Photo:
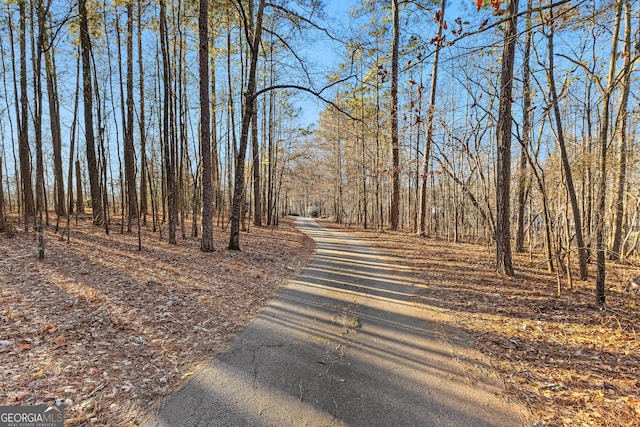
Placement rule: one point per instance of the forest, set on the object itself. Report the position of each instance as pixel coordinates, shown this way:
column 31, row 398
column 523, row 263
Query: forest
column 506, row 124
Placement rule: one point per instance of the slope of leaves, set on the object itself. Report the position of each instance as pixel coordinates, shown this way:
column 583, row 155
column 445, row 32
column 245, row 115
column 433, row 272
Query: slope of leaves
column 110, row 330
column 570, row 363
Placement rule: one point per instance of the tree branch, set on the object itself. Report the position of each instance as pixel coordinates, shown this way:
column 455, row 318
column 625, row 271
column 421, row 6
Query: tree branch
column 317, row 94
column 303, row 19
column 291, row 50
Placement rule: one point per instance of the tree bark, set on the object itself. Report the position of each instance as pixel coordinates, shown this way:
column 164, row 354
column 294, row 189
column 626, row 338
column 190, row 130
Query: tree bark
column 94, row 179
column 24, row 151
column 79, row 192
column 169, row 164
column 603, row 140
column 129, row 150
column 395, row 144
column 503, row 171
column 255, row 148
column 206, row 244
column 16, row 104
column 253, row 38
column 72, row 144
column 143, row 128
column 617, row 251
column 523, row 183
column 41, row 12
column 56, row 136
column 215, row 171
column 2, row 212
column 429, row 130
column 582, row 252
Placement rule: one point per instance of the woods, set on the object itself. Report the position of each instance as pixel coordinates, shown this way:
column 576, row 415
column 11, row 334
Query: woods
column 154, row 152
column 418, row 112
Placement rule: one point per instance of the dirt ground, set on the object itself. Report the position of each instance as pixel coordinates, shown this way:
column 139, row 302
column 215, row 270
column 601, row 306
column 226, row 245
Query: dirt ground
column 569, row 362
column 110, row 330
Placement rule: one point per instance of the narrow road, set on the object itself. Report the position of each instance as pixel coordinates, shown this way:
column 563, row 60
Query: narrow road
column 345, row 344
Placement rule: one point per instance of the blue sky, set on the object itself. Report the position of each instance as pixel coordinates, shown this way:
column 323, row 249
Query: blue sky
column 328, row 54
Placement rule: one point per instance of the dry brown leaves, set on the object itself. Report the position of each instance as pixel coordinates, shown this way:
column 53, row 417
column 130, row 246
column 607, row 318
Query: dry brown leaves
column 110, row 330
column 570, row 363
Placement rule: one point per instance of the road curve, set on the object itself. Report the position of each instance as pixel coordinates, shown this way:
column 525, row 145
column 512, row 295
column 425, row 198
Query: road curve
column 345, row 344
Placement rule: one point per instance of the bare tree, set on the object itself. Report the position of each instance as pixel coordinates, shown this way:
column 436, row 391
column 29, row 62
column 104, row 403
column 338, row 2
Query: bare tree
column 429, row 129
column 206, row 244
column 94, row 180
column 395, row 143
column 603, row 141
column 54, row 118
column 617, row 251
column 25, row 155
column 169, row 167
column 582, row 251
column 503, row 172
column 142, row 121
column 2, row 212
column 523, row 182
column 129, row 150
column 253, row 34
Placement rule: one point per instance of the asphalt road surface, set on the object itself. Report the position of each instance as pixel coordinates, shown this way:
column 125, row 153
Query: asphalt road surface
column 345, row 344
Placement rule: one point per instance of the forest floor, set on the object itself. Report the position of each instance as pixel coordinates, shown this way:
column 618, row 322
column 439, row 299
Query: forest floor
column 569, row 362
column 110, row 330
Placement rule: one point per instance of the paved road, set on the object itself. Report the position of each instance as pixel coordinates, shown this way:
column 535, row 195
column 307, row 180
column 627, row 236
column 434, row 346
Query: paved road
column 344, row 344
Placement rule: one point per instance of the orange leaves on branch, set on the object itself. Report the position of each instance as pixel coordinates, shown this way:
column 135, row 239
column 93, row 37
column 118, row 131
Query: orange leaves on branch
column 438, row 18
column 495, row 4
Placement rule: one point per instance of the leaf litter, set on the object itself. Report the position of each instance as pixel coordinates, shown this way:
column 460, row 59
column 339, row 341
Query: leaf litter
column 567, row 361
column 110, row 330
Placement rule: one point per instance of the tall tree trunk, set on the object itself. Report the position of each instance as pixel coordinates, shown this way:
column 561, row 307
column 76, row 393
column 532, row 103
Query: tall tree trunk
column 79, row 192
column 181, row 147
column 2, row 211
column 17, row 111
column 215, row 171
column 617, row 251
column 72, row 141
column 206, row 244
column 94, row 179
column 129, row 150
column 232, row 143
column 429, row 130
column 41, row 13
column 603, row 140
column 56, row 136
column 143, row 128
column 503, row 171
column 255, row 148
column 169, row 164
column 123, row 112
column 523, row 182
column 24, row 151
column 582, row 252
column 395, row 143
column 254, row 34
column 271, row 143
